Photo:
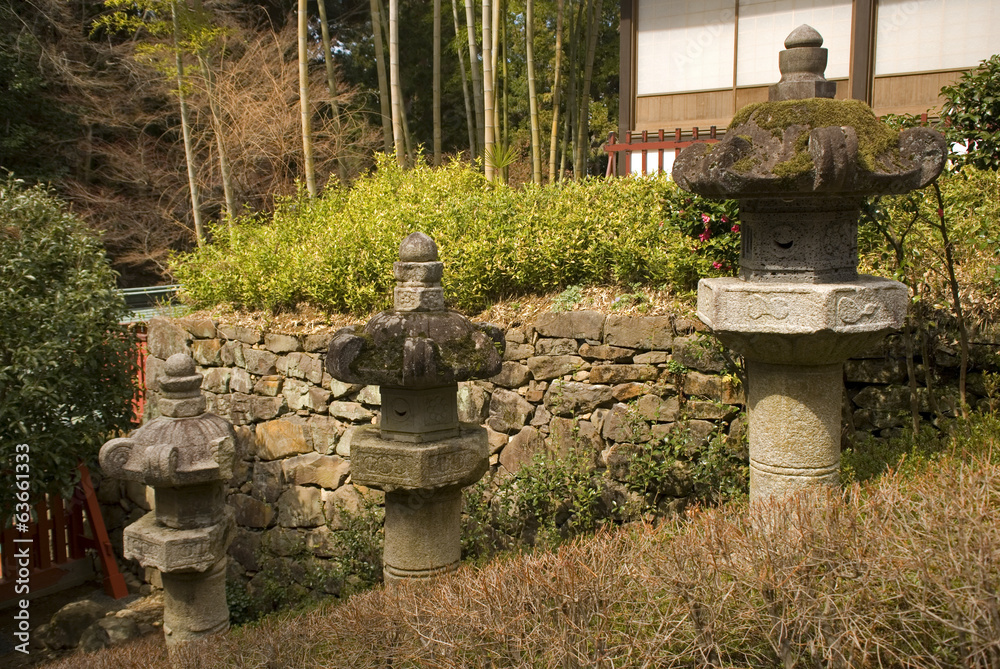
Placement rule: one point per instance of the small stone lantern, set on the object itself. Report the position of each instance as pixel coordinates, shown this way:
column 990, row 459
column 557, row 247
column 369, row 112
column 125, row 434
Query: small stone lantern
column 801, row 166
column 419, row 454
column 186, row 455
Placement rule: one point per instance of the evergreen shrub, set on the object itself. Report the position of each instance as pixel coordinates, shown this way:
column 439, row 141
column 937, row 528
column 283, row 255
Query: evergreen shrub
column 336, row 252
column 67, row 367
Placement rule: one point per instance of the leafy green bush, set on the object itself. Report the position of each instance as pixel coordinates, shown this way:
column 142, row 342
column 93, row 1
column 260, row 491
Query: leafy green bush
column 545, row 502
column 67, row 368
column 972, row 112
column 336, row 251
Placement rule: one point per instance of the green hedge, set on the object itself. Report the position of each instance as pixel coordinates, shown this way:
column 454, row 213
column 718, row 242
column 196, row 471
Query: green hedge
column 336, row 252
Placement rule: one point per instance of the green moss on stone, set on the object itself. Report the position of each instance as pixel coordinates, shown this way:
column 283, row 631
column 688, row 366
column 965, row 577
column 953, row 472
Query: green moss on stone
column 798, row 164
column 462, row 353
column 875, row 139
column 387, row 356
column 745, row 164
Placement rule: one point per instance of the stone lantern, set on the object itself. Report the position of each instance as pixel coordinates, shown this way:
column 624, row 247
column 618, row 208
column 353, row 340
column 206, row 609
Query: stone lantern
column 801, row 165
column 419, row 454
column 186, row 455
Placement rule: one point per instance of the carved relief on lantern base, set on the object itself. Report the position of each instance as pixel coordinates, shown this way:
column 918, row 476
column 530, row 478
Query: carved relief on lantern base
column 801, row 324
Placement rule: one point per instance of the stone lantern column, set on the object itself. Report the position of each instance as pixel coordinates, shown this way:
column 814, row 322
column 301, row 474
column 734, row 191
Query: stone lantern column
column 186, row 455
column 801, row 165
column 419, row 454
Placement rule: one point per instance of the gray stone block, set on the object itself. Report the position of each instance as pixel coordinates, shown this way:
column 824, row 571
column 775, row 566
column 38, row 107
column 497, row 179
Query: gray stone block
column 606, row 352
column 518, row 351
column 251, row 512
column 544, row 368
column 279, row 343
column 571, row 398
column 325, row 471
column 657, row 409
column 166, row 338
column 521, row 449
column 615, row 374
column 281, row 438
column 508, row 411
column 559, row 346
column 300, row 506
column 571, row 325
column 350, row 411
column 512, row 375
column 247, row 335
column 207, row 352
column 259, row 361
column 648, row 333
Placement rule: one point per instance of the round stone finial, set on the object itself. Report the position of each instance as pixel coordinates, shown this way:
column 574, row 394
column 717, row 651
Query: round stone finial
column 418, row 247
column 179, row 364
column 803, row 36
column 180, row 380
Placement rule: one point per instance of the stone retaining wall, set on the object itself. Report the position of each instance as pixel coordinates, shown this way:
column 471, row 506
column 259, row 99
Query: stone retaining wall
column 606, row 382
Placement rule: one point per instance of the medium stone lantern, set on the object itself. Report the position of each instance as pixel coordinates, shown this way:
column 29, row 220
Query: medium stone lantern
column 186, row 455
column 419, row 454
column 801, row 166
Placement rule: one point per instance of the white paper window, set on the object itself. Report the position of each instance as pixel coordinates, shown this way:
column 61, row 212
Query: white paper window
column 927, row 35
column 764, row 25
column 684, row 45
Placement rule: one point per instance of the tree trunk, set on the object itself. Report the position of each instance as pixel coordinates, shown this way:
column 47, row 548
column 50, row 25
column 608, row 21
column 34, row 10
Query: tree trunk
column 495, row 56
column 477, row 81
column 436, row 84
column 395, row 94
column 224, row 170
column 383, row 84
column 583, row 124
column 331, row 81
column 505, row 142
column 572, row 110
column 554, row 139
column 307, row 149
column 470, row 119
column 199, row 230
column 536, row 149
column 489, row 148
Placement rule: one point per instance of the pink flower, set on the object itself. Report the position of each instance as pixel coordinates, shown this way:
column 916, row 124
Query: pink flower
column 706, row 219
column 705, row 235
column 735, row 228
column 723, row 219
column 717, row 265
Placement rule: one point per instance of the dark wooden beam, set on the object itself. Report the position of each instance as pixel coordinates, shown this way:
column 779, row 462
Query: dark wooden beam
column 862, row 66
column 626, row 74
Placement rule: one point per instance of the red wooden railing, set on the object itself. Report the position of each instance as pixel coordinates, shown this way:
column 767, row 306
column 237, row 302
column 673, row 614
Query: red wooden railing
column 139, row 404
column 652, row 146
column 57, row 539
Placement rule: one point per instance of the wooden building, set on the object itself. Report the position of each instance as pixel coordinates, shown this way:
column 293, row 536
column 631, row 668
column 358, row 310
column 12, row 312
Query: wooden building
column 692, row 63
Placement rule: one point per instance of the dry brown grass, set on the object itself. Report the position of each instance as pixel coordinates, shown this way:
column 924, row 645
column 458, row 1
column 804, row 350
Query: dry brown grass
column 903, row 572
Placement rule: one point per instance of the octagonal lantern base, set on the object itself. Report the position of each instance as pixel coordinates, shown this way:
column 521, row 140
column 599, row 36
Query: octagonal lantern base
column 801, row 324
column 395, row 465
column 173, row 550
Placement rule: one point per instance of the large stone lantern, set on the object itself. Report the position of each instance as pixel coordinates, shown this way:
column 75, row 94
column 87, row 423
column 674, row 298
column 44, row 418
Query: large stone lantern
column 801, row 166
column 186, row 455
column 419, row 454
